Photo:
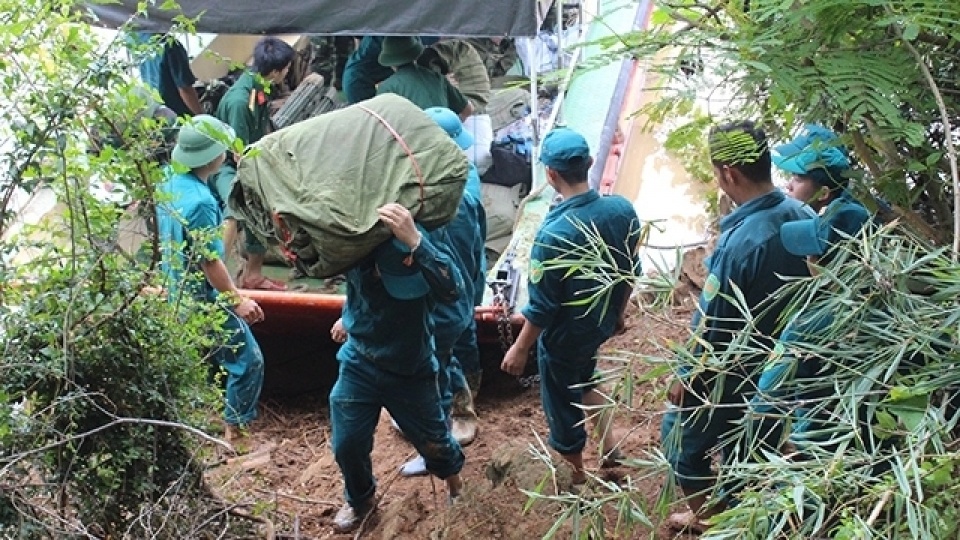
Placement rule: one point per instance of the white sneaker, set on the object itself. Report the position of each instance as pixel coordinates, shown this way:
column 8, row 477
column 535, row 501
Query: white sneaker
column 415, row 467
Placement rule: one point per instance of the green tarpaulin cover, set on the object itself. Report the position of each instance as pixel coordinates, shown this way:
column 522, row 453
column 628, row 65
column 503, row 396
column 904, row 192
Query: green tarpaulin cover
column 329, row 174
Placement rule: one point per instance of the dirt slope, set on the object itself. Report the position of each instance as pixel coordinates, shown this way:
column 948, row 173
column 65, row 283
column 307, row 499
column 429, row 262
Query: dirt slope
column 289, row 475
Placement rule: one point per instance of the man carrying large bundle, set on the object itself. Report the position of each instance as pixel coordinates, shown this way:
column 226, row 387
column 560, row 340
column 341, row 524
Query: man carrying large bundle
column 328, row 175
column 388, row 361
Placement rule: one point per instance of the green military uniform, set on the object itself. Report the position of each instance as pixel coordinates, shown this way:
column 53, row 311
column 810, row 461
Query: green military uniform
column 751, row 257
column 468, row 69
column 245, row 108
column 425, row 88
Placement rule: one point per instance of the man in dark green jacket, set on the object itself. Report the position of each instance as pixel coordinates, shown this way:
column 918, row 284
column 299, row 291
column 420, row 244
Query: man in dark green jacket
column 246, row 108
column 424, row 87
column 750, row 260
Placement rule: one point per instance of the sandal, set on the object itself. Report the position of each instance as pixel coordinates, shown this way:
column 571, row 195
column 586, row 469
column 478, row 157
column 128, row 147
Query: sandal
column 263, row 284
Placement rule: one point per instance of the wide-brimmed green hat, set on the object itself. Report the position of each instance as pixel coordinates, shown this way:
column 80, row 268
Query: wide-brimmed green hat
column 397, row 51
column 199, row 141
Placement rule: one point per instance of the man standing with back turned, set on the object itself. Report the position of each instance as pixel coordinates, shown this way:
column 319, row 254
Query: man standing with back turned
column 571, row 313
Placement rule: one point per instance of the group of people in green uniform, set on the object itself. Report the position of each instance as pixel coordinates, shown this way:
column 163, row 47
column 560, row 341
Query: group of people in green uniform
column 407, row 330
column 772, row 236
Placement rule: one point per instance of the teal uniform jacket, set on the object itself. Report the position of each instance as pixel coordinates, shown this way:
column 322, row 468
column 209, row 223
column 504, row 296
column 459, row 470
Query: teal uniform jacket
column 468, row 233
column 168, row 72
column 188, row 221
column 397, row 335
column 363, row 72
column 450, row 320
column 423, row 87
column 750, row 254
column 572, row 332
column 462, row 234
column 464, row 244
column 246, row 108
column 777, row 381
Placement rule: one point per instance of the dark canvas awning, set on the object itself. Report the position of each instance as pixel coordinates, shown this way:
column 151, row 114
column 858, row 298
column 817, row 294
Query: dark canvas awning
column 331, row 17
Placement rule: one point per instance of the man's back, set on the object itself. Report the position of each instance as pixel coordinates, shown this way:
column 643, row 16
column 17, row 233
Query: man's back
column 750, row 256
column 187, row 213
column 425, row 88
column 577, row 230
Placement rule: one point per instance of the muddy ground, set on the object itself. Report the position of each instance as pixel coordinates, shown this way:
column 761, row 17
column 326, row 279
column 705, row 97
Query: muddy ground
column 288, row 474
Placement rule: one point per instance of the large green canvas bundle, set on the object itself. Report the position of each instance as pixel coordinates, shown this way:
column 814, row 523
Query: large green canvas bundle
column 329, row 174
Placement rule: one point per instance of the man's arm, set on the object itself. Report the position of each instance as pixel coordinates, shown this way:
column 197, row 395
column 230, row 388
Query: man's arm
column 219, row 278
column 179, row 65
column 443, row 276
column 446, row 283
column 189, row 96
column 203, row 224
column 458, row 102
column 515, row 359
column 545, row 290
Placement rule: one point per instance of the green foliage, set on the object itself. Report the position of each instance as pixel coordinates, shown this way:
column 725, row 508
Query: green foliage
column 99, row 379
column 857, row 66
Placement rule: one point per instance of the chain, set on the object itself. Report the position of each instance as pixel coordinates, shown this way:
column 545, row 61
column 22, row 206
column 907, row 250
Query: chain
column 504, row 328
column 505, row 331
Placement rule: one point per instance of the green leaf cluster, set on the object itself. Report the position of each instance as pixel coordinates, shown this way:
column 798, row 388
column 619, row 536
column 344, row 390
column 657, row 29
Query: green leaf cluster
column 99, row 377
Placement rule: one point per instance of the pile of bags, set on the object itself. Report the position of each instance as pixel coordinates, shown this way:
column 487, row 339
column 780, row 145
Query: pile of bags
column 325, row 177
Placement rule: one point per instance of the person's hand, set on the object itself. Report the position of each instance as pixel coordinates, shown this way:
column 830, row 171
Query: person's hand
column 249, row 311
column 337, row 332
column 400, row 222
column 675, row 392
column 515, row 361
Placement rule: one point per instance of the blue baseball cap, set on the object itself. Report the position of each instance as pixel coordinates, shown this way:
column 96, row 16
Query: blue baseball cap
column 400, row 277
column 816, row 147
column 451, row 123
column 815, row 236
column 564, row 149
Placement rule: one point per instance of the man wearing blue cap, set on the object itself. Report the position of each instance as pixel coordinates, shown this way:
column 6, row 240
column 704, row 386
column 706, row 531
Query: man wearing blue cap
column 571, row 311
column 423, row 87
column 819, row 166
column 750, row 261
column 189, row 228
column 388, row 360
column 455, row 329
column 815, row 157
